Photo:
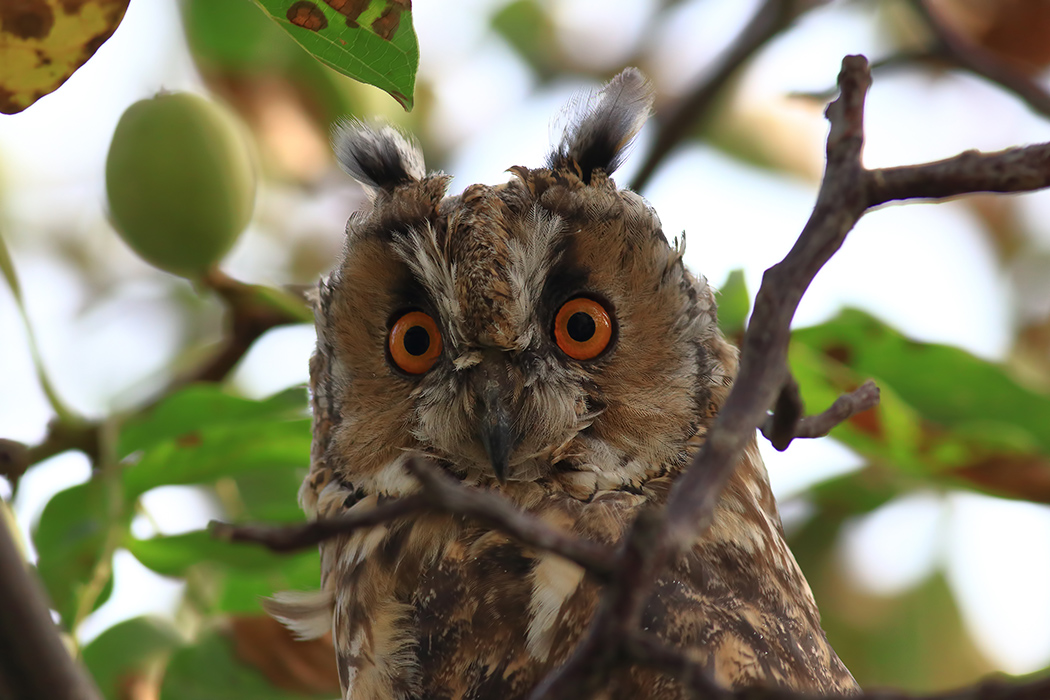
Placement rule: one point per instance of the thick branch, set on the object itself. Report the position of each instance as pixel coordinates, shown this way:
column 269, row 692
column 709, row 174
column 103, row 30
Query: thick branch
column 773, row 17
column 866, row 396
column 440, row 493
column 762, row 373
column 618, row 615
column 1013, row 170
column 34, row 663
column 650, row 651
column 763, row 359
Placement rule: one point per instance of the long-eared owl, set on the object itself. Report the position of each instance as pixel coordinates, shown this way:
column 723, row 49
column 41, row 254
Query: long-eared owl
column 539, row 338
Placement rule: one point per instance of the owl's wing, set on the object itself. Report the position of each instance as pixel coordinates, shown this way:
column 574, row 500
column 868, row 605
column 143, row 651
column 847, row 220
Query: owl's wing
column 739, row 599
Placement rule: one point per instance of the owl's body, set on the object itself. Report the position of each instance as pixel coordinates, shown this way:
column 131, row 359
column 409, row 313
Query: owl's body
column 508, row 391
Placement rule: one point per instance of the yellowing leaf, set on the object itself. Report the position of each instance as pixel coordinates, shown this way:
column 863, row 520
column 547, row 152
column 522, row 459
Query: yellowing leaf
column 43, row 41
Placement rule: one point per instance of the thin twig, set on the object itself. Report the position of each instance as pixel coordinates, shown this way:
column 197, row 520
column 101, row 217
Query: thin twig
column 865, row 397
column 771, row 18
column 978, row 60
column 440, row 493
column 293, row 538
column 251, row 311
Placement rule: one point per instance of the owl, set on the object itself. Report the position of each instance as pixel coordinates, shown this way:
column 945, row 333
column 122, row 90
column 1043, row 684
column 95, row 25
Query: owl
column 543, row 340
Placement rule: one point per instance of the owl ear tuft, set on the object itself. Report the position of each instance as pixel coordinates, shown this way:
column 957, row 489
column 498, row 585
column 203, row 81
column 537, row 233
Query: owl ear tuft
column 604, row 125
column 379, row 157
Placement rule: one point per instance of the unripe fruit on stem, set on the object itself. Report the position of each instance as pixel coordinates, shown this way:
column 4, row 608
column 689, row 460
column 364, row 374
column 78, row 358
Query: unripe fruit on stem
column 180, row 179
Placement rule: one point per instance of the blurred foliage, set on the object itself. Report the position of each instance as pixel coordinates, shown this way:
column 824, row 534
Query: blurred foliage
column 947, row 420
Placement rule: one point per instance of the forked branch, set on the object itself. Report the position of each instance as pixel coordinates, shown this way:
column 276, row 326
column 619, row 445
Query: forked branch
column 787, row 421
column 847, row 191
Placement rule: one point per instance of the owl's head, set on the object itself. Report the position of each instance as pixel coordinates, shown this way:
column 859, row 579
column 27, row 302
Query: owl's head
column 542, row 329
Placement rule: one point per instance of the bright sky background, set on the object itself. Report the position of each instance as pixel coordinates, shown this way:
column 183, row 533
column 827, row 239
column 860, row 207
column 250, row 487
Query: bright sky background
column 926, row 269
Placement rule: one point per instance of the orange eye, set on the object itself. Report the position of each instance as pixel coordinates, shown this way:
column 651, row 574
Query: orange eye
column 582, row 328
column 415, row 342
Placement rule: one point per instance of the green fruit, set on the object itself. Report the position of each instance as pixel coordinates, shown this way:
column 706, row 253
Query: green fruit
column 180, row 179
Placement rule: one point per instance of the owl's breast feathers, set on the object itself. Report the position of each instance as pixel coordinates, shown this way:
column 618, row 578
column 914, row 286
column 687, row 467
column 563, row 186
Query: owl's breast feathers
column 436, row 607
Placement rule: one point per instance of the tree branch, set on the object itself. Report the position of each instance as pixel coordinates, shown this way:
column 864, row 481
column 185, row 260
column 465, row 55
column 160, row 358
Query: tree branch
column 34, row 663
column 781, row 432
column 1013, row 170
column 771, row 18
column 646, row 649
column 252, row 310
column 976, row 59
column 847, row 190
column 439, row 493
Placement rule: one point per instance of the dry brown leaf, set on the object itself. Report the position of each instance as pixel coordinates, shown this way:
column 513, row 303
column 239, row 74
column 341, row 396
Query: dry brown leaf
column 300, row 666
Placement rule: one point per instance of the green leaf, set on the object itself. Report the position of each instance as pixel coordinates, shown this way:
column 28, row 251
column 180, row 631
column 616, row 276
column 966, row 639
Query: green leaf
column 232, row 43
column 70, row 539
column 733, row 305
column 242, row 590
column 943, row 412
column 233, row 34
column 207, row 454
column 369, row 41
column 893, row 433
column 173, row 555
column 202, row 434
column 200, row 406
column 208, row 670
column 270, row 495
column 944, row 384
column 528, row 28
column 128, row 649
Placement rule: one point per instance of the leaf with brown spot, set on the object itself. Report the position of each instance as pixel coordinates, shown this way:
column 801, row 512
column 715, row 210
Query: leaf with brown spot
column 42, row 42
column 369, row 40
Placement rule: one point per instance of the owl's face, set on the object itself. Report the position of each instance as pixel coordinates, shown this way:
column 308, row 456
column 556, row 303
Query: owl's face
column 539, row 329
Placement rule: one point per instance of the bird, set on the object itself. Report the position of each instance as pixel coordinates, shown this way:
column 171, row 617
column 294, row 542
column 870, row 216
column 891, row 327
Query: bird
column 541, row 339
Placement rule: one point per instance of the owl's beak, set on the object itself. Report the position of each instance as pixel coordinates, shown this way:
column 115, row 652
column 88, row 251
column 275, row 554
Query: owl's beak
column 496, row 424
column 498, row 438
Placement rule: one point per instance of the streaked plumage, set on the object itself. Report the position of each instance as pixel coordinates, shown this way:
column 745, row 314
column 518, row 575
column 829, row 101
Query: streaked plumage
column 437, row 607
